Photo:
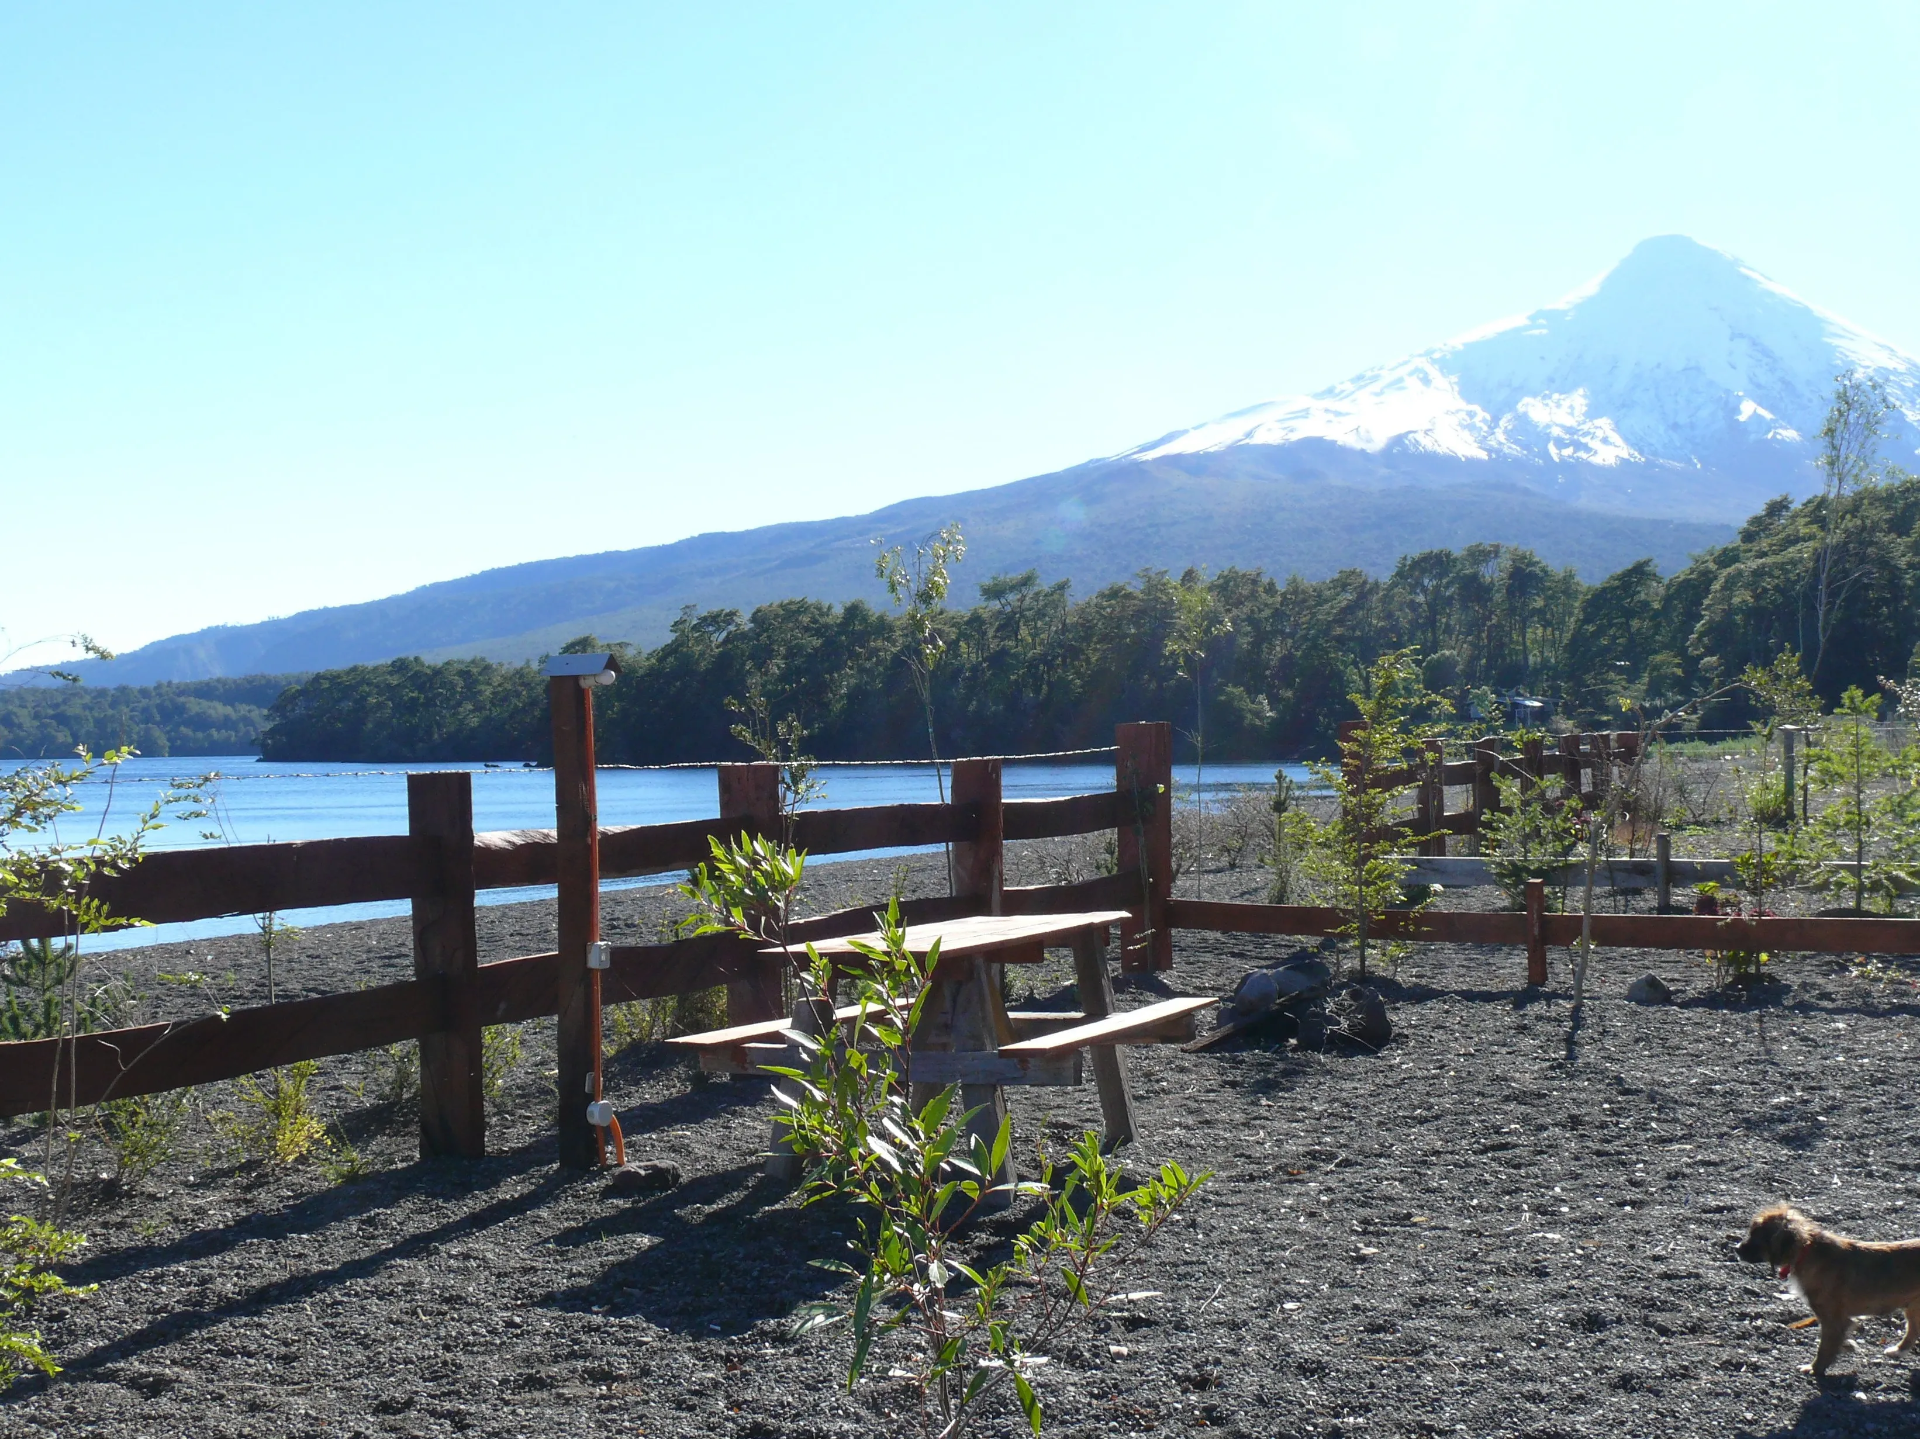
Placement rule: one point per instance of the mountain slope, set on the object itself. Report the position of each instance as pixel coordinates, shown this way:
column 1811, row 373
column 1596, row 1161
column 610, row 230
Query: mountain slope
column 1642, row 415
column 1095, row 525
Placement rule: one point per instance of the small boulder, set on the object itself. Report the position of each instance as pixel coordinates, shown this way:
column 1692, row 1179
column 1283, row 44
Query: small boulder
column 1255, row 994
column 1650, row 989
column 1363, row 1017
column 1313, row 1028
column 1302, row 980
column 644, row 1176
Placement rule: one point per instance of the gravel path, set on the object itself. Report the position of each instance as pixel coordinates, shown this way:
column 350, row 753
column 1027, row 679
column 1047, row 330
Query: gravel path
column 1485, row 1229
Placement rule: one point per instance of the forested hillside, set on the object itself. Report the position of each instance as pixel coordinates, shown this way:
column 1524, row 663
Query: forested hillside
column 1029, row 668
column 198, row 717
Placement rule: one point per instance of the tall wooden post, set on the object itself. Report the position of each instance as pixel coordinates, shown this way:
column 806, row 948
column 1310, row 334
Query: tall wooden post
column 979, row 864
column 1663, row 872
column 453, row 1111
column 1789, row 741
column 1571, row 767
column 1431, row 799
column 1486, row 794
column 1536, row 932
column 750, row 796
column 577, row 1001
column 1143, row 773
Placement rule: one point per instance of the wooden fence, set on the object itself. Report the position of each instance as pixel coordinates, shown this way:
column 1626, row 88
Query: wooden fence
column 1585, row 764
column 441, row 865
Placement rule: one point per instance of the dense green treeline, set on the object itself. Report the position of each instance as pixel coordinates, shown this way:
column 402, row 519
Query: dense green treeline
column 222, row 716
column 1028, row 668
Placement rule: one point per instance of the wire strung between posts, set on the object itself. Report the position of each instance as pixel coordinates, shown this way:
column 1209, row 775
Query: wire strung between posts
column 678, row 764
column 883, row 763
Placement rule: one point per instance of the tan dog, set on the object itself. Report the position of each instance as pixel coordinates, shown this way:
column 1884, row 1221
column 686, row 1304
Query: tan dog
column 1841, row 1278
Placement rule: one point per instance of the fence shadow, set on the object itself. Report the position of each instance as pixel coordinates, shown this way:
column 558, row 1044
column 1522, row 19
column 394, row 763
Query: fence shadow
column 183, row 1323
column 727, row 1251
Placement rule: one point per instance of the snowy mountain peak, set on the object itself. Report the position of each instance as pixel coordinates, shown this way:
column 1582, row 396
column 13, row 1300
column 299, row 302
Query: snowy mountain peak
column 1680, row 355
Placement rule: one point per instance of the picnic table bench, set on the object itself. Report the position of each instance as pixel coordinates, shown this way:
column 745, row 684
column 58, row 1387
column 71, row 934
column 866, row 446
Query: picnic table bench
column 967, row 1036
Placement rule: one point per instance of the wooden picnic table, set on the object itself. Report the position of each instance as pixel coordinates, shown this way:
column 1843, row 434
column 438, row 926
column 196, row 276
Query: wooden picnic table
column 968, row 1037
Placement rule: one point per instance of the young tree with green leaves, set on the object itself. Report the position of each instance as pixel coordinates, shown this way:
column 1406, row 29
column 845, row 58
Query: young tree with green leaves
column 1198, row 621
column 1355, row 855
column 1849, row 462
column 1845, row 763
column 918, row 589
column 953, row 1326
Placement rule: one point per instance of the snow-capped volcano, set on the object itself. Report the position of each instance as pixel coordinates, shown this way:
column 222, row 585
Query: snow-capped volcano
column 1678, row 357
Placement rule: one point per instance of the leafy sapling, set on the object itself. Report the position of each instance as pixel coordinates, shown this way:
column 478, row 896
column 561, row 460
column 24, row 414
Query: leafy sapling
column 29, row 1249
column 1845, row 764
column 1355, row 854
column 918, row 589
column 1198, row 623
column 955, row 1330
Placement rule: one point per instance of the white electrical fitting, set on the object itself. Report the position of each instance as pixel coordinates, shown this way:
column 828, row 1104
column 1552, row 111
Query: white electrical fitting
column 599, row 956
column 600, row 1113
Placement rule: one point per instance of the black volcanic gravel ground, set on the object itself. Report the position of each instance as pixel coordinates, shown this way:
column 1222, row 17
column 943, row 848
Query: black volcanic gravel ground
column 1482, row 1230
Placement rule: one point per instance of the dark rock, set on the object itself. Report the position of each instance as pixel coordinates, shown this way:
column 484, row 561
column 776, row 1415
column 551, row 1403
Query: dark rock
column 1314, row 1027
column 644, row 1176
column 1362, row 1017
column 1650, row 989
column 1255, row 994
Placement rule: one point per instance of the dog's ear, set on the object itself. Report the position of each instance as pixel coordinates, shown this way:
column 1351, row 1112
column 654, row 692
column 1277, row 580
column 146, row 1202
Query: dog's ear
column 1786, row 1233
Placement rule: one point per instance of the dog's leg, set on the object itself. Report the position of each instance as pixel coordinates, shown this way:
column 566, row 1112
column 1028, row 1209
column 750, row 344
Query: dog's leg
column 1912, row 1336
column 1833, row 1338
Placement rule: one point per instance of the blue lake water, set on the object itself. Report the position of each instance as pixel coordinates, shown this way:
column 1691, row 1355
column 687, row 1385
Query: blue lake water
column 256, row 802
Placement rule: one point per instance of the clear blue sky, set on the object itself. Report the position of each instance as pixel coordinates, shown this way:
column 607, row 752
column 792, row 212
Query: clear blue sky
column 303, row 305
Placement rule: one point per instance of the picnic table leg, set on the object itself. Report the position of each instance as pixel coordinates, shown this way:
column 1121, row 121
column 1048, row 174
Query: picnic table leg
column 809, row 1017
column 966, row 1016
column 1095, row 988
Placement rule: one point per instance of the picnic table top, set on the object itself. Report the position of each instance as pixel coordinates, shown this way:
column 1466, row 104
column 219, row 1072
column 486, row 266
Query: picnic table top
column 979, row 933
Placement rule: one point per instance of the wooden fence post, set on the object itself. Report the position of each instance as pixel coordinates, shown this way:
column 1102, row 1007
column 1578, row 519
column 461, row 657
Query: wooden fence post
column 1431, row 800
column 1572, row 768
column 979, row 865
column 1663, row 872
column 1143, row 769
column 577, row 825
column 453, row 1111
column 1486, row 795
column 1536, row 932
column 750, row 793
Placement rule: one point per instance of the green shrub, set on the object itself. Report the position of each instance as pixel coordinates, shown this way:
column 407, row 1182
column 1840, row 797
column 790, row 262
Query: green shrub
column 143, row 1131
column 38, row 976
column 28, row 1250
column 501, row 1048
column 276, row 1122
column 1534, row 834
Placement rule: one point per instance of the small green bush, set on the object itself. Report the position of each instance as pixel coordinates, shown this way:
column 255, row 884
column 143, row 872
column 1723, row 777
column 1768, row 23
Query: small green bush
column 143, row 1131
column 276, row 1122
column 28, row 1250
